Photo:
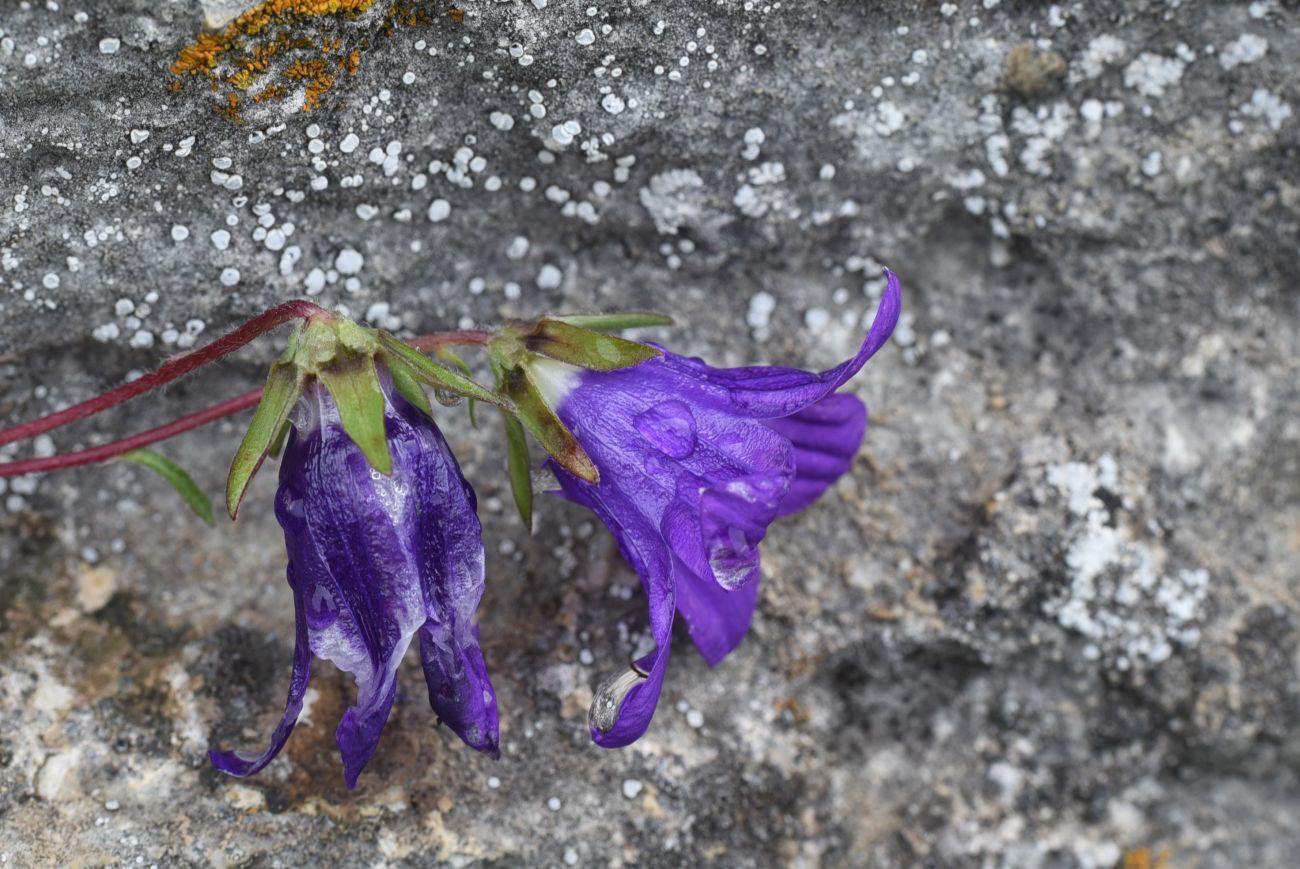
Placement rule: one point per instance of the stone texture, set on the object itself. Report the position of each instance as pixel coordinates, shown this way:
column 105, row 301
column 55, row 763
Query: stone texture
column 1050, row 620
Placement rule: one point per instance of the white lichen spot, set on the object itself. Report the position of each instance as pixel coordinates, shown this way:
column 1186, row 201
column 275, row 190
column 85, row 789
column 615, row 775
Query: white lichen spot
column 349, row 261
column 439, row 210
column 673, row 199
column 1245, row 49
column 1117, row 597
column 1100, row 53
column 889, row 119
column 1152, row 74
column 549, row 278
column 1268, row 106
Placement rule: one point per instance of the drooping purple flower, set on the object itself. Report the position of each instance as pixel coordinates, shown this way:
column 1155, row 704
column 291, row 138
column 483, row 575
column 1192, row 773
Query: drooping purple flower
column 375, row 559
column 695, row 462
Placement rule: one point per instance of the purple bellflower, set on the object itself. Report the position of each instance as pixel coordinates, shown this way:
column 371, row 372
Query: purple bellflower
column 695, row 462
column 374, row 560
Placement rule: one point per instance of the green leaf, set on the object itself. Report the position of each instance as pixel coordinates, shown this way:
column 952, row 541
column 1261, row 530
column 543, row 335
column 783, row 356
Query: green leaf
column 557, row 339
column 435, row 375
column 550, row 431
column 405, row 383
column 354, row 384
column 615, row 322
column 284, row 386
column 173, row 473
column 519, row 466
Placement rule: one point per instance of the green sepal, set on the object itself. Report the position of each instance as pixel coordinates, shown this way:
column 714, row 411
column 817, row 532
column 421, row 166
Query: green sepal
column 545, row 425
column 181, row 481
column 614, row 322
column 354, row 385
column 575, row 345
column 277, row 445
column 405, row 383
column 448, row 356
column 431, row 373
column 284, row 386
column 520, row 468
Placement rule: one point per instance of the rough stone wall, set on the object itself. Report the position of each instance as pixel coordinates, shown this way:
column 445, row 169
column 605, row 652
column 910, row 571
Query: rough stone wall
column 1051, row 619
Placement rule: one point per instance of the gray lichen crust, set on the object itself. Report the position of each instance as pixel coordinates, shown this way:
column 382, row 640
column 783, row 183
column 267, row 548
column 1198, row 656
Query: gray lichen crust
column 1051, row 618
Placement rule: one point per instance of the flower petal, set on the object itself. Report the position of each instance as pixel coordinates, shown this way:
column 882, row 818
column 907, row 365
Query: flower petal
column 624, row 704
column 733, row 521
column 238, row 763
column 460, row 691
column 369, row 548
column 716, row 617
column 361, row 726
column 766, row 391
column 826, row 437
column 448, row 547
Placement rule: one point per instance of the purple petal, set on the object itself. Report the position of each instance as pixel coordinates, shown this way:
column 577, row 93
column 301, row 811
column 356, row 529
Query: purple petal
column 717, row 618
column 360, row 728
column 767, row 391
column 826, row 437
column 238, row 763
column 733, row 521
column 449, row 544
column 624, row 704
column 460, row 691
column 377, row 557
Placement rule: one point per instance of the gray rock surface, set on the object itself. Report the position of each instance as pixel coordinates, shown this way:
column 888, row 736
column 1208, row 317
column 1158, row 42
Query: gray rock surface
column 1052, row 618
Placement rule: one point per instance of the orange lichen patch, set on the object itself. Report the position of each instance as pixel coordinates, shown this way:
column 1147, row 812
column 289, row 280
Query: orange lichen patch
column 1142, row 858
column 270, row 92
column 267, row 42
column 351, row 62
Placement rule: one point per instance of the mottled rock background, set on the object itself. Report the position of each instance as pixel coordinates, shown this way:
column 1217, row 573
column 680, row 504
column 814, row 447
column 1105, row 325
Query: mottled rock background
column 1051, row 619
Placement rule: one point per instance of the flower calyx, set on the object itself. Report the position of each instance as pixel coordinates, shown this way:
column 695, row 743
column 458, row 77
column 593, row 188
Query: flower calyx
column 532, row 361
column 347, row 360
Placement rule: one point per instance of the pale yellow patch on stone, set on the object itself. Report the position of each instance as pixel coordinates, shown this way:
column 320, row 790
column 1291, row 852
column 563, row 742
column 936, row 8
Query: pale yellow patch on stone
column 95, row 587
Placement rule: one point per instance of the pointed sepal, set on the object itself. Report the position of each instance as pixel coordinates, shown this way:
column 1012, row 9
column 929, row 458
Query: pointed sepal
column 353, row 382
column 520, row 468
column 432, row 373
column 284, row 386
column 614, row 322
column 566, row 342
column 406, row 384
column 544, row 424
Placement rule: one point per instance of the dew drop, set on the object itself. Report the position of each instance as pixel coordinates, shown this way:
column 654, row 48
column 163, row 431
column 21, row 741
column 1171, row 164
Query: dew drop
column 669, row 427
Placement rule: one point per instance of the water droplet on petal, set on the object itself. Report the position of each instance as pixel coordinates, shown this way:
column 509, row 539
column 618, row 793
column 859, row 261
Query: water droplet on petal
column 669, row 427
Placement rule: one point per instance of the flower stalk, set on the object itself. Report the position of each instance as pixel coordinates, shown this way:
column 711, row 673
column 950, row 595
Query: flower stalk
column 173, row 369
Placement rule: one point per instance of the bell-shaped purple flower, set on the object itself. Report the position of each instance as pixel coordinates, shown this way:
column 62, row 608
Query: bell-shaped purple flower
column 695, row 462
column 374, row 560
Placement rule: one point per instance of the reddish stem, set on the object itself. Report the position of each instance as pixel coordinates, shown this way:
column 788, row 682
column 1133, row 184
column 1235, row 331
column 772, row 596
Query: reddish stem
column 176, row 367
column 134, row 442
column 435, row 342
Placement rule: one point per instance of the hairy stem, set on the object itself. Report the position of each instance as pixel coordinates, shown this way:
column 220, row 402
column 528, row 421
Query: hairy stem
column 176, row 367
column 436, row 341
column 134, row 442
